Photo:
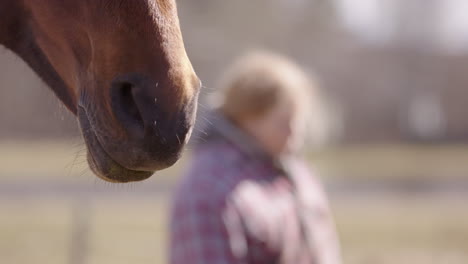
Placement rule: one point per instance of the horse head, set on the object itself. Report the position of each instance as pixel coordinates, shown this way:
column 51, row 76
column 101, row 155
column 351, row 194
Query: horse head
column 121, row 67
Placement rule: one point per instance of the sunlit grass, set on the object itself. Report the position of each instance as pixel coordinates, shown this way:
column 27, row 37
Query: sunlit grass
column 372, row 230
column 38, row 159
column 393, row 162
column 403, row 229
column 53, row 160
column 128, row 233
column 33, row 232
column 117, row 232
column 66, row 160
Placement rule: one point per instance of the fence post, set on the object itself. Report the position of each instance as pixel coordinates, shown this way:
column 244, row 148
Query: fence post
column 79, row 247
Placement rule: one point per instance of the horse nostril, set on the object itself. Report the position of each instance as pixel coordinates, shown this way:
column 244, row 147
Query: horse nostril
column 125, row 107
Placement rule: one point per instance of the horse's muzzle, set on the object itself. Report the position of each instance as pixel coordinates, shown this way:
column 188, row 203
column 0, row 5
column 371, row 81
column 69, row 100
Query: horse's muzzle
column 101, row 163
column 151, row 137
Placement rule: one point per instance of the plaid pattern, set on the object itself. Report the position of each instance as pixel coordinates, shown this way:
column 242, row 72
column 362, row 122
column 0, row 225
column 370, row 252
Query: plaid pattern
column 233, row 209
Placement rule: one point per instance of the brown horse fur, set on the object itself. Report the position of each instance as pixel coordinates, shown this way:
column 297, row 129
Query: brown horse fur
column 121, row 67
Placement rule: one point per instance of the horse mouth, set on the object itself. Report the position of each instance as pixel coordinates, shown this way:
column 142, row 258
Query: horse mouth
column 100, row 162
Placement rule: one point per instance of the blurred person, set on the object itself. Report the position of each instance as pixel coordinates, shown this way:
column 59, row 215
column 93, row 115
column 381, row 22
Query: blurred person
column 248, row 196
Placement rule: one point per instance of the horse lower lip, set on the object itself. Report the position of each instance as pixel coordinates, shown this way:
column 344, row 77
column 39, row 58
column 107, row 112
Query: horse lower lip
column 100, row 162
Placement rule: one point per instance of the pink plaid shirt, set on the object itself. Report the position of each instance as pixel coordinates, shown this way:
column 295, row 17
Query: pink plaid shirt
column 233, row 208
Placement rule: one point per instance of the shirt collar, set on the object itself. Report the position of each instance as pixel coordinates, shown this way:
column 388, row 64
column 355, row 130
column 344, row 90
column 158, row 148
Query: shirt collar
column 245, row 143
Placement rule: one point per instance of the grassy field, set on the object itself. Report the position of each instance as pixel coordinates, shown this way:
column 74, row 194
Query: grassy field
column 116, row 232
column 374, row 231
column 66, row 160
column 394, row 162
column 374, row 228
column 62, row 161
column 404, row 230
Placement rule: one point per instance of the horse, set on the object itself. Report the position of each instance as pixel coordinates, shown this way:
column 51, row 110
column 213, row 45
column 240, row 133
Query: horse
column 120, row 67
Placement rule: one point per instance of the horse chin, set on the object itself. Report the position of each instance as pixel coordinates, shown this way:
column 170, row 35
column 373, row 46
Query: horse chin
column 109, row 170
column 100, row 162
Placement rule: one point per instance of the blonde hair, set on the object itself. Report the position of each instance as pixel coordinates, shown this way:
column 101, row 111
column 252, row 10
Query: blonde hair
column 258, row 81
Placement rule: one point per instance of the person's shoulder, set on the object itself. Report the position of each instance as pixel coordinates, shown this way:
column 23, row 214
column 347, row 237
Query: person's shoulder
column 216, row 151
column 303, row 172
column 308, row 182
column 215, row 159
column 299, row 166
column 212, row 174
